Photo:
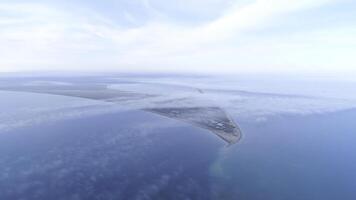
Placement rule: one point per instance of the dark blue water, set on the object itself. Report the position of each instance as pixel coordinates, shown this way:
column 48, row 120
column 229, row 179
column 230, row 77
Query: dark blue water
column 137, row 155
column 300, row 157
column 128, row 155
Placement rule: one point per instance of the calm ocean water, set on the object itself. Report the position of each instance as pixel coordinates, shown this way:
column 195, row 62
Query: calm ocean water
column 137, row 155
column 293, row 147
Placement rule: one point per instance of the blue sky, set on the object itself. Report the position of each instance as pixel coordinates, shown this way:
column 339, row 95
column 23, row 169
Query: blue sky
column 178, row 36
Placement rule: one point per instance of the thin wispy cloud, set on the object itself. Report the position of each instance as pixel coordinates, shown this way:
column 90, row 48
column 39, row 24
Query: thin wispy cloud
column 52, row 36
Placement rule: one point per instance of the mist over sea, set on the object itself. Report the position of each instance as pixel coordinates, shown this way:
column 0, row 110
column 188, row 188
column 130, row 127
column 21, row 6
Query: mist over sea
column 297, row 140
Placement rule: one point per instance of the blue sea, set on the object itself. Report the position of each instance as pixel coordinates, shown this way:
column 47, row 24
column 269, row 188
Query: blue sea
column 55, row 147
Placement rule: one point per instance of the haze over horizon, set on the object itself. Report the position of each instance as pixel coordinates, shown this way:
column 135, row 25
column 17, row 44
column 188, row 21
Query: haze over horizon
column 224, row 36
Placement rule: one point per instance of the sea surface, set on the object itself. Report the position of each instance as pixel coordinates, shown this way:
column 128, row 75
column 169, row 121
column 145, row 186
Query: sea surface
column 56, row 147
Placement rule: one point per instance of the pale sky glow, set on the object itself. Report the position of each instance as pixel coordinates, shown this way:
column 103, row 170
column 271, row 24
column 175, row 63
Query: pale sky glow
column 161, row 35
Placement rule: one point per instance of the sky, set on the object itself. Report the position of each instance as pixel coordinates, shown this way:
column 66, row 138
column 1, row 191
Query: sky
column 227, row 36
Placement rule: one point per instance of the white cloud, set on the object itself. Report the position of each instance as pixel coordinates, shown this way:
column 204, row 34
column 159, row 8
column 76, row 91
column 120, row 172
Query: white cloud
column 43, row 37
column 250, row 99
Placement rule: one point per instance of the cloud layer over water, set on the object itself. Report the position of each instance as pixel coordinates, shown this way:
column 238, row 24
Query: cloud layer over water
column 239, row 99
